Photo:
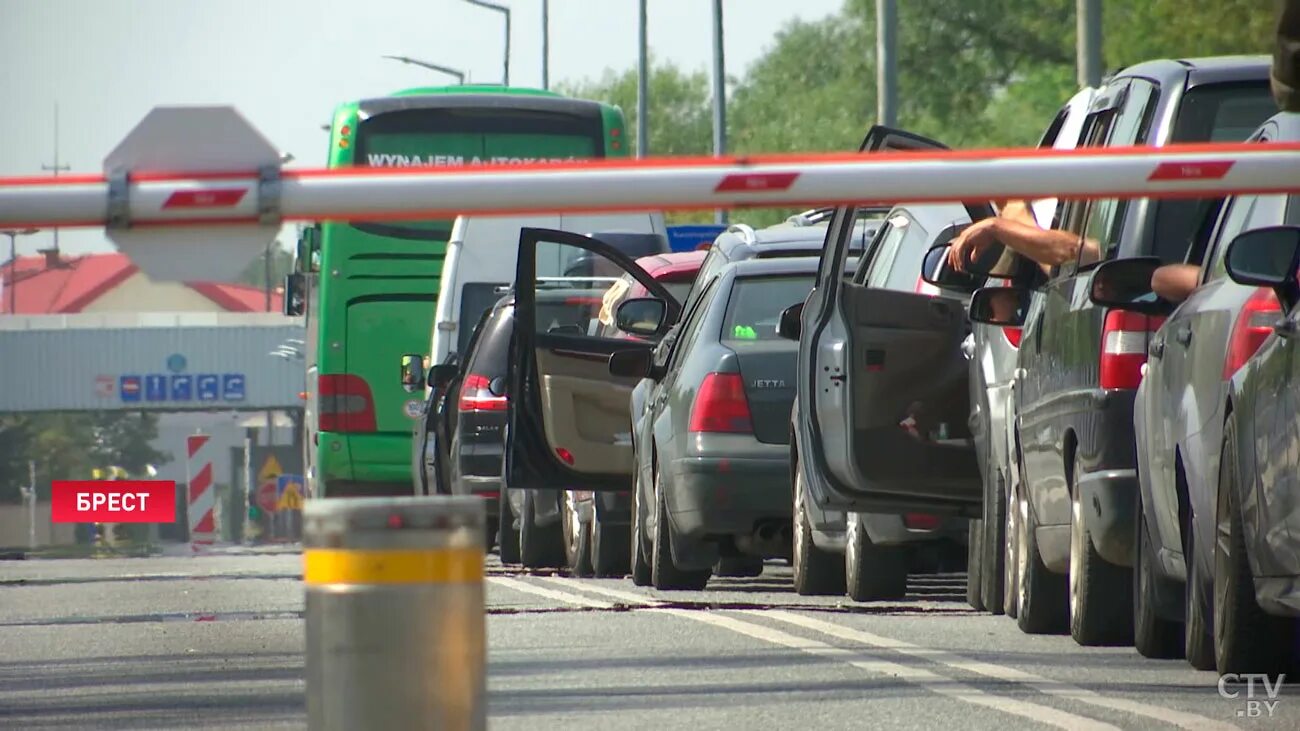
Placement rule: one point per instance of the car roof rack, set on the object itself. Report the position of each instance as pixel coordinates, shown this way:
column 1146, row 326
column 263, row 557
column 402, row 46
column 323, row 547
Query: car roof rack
column 744, row 231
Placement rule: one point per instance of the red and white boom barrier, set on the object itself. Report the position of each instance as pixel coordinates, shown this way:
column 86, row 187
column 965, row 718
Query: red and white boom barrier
column 207, row 169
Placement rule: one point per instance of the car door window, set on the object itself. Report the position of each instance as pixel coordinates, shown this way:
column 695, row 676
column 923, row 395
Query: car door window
column 1102, row 223
column 691, row 326
column 876, row 268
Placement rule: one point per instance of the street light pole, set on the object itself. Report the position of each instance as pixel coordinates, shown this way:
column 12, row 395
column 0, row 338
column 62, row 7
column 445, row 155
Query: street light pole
column 546, row 44
column 719, row 95
column 460, row 75
column 506, row 12
column 13, row 235
column 642, row 87
column 887, row 62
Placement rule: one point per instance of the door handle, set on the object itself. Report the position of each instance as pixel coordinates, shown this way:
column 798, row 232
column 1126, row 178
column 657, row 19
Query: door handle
column 838, row 379
column 1157, row 348
column 1184, row 335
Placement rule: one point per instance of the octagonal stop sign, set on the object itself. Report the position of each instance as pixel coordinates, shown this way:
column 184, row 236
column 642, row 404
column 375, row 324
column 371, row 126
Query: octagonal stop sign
column 266, row 496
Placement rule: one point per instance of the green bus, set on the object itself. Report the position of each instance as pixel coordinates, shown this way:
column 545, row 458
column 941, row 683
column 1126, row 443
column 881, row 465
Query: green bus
column 369, row 289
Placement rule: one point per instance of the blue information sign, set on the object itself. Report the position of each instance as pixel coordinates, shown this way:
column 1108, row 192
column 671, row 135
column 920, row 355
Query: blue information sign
column 209, row 386
column 232, row 387
column 155, row 387
column 182, row 388
column 688, row 237
column 129, row 388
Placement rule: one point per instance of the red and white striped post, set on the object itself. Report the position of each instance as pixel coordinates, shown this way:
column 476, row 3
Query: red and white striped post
column 202, row 495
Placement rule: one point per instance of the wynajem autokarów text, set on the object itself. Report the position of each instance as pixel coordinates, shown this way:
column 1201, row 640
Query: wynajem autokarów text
column 391, row 160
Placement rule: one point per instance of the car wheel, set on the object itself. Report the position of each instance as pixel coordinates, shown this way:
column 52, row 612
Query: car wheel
column 640, row 559
column 1011, row 552
column 974, row 563
column 609, row 548
column 872, row 572
column 1246, row 639
column 995, row 523
column 1101, row 593
column 1198, row 632
column 816, row 572
column 509, row 540
column 540, row 546
column 1041, row 596
column 1153, row 636
column 577, row 538
column 664, row 574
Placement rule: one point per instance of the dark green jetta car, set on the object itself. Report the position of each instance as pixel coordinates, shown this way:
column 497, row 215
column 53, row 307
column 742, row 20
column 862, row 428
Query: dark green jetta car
column 715, row 440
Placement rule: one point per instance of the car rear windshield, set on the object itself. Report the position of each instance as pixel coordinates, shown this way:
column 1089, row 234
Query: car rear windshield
column 756, row 304
column 491, row 356
column 475, row 299
column 1209, row 113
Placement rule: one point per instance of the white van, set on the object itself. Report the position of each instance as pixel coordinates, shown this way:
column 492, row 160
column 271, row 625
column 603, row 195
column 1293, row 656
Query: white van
column 480, row 265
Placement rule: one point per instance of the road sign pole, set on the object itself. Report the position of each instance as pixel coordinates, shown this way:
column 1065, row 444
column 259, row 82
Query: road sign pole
column 395, row 613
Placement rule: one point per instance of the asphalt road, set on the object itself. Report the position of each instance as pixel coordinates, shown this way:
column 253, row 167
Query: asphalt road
column 215, row 641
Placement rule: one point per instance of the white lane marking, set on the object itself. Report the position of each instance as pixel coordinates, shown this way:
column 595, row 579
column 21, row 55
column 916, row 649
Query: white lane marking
column 934, row 682
column 623, row 596
column 558, row 596
column 1045, row 685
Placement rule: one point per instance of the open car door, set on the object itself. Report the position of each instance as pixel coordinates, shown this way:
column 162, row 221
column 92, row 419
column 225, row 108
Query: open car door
column 569, row 420
column 887, row 390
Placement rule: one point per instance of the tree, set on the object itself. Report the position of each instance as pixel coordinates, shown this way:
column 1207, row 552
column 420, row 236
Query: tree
column 70, row 445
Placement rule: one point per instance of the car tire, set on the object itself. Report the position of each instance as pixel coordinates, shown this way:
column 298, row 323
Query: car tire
column 816, row 572
column 664, row 574
column 994, row 538
column 640, row 558
column 577, row 539
column 1198, row 631
column 1246, row 638
column 1153, row 636
column 609, row 548
column 509, row 540
column 872, row 572
column 540, row 547
column 1042, row 601
column 1100, row 593
column 974, row 564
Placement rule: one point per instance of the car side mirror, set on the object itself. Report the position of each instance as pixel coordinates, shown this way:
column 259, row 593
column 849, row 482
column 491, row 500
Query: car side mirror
column 631, row 363
column 1125, row 284
column 1005, row 306
column 295, row 288
column 1267, row 257
column 497, row 386
column 791, row 323
column 641, row 316
column 936, row 270
column 412, row 372
column 441, row 374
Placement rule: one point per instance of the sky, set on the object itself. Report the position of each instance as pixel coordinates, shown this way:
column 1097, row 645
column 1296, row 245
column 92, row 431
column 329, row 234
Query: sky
column 285, row 64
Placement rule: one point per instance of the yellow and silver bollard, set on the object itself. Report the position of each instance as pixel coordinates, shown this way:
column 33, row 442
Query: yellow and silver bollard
column 395, row 615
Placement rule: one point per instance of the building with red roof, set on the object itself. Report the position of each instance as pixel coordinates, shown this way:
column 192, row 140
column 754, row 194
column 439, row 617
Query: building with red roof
column 53, row 284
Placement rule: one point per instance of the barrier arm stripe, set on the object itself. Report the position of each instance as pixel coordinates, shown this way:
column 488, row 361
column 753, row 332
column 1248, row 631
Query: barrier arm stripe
column 376, row 194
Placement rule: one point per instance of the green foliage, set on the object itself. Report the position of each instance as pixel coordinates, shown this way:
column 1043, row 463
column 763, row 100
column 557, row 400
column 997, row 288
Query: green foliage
column 972, row 73
column 70, row 445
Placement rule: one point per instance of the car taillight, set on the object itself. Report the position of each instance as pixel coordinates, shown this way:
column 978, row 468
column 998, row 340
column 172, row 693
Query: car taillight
column 1124, row 348
column 1253, row 326
column 721, row 406
column 920, row 521
column 476, row 395
column 1012, row 333
column 925, row 288
column 346, row 404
